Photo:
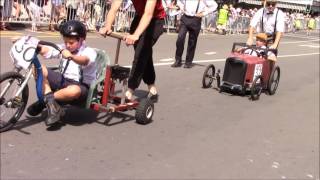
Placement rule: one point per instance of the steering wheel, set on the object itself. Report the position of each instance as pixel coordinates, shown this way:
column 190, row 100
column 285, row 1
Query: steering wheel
column 252, row 49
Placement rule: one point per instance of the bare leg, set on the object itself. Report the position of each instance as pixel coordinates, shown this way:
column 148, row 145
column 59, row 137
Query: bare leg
column 68, row 94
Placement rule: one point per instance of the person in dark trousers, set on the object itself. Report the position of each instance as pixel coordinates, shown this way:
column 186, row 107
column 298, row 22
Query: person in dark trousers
column 146, row 28
column 193, row 11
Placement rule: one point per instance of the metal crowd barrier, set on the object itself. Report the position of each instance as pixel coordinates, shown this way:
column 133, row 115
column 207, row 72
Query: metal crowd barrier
column 92, row 13
column 46, row 12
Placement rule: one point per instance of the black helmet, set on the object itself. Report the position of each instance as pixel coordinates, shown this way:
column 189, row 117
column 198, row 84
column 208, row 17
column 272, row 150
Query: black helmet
column 73, row 28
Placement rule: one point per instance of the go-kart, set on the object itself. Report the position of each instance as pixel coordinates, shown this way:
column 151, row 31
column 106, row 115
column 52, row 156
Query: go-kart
column 245, row 73
column 14, row 90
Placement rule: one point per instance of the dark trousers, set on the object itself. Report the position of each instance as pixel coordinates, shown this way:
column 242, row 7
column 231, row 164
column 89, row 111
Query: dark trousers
column 142, row 65
column 192, row 25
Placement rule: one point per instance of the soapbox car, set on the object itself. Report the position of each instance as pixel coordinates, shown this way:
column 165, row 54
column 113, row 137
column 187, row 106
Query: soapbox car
column 245, row 73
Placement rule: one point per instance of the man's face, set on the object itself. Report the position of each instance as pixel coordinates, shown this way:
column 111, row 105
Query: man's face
column 72, row 44
column 271, row 5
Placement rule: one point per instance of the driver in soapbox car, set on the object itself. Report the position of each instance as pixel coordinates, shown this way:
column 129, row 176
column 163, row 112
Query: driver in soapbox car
column 248, row 68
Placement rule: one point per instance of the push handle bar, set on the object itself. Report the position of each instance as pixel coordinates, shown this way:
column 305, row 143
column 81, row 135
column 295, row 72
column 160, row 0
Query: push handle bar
column 119, row 37
column 116, row 35
column 46, row 43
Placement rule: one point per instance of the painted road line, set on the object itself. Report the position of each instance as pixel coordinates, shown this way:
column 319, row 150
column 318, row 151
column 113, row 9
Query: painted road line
column 224, row 59
column 9, row 33
column 210, row 53
column 166, row 60
column 310, row 46
column 296, row 42
column 304, row 37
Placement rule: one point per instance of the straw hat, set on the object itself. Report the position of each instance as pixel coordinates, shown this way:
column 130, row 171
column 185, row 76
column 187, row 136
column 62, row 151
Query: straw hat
column 262, row 36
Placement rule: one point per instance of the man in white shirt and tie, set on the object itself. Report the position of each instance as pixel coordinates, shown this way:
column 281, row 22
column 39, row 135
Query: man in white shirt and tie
column 269, row 20
column 193, row 11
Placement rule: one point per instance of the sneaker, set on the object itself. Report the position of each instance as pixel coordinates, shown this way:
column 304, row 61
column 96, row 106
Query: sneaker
column 36, row 108
column 153, row 97
column 55, row 112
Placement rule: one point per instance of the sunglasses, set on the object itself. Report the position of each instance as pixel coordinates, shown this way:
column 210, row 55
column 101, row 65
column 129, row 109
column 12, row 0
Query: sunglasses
column 271, row 4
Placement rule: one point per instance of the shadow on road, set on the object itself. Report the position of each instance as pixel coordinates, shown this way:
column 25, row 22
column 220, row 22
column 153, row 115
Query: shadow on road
column 76, row 116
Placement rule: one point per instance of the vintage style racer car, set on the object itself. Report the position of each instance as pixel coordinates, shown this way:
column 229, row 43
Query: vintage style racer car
column 245, row 73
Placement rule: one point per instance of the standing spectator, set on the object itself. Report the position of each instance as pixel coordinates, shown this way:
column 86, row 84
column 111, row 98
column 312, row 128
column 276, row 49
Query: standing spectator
column 173, row 13
column 190, row 23
column 297, row 24
column 72, row 6
column 1, row 18
column 146, row 28
column 268, row 20
column 5, row 13
column 213, row 21
column 35, row 8
column 223, row 19
column 233, row 15
column 311, row 25
column 17, row 8
column 56, row 6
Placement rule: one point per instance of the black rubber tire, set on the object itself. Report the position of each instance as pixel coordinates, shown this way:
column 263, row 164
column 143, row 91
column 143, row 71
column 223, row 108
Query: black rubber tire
column 274, row 80
column 208, row 76
column 256, row 88
column 144, row 111
column 6, row 125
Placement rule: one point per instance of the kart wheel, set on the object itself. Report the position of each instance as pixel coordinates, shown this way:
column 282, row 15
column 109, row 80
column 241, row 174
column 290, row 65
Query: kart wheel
column 256, row 88
column 11, row 108
column 144, row 111
column 274, row 80
column 208, row 76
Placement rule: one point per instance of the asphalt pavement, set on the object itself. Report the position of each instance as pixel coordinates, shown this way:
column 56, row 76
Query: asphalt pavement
column 196, row 133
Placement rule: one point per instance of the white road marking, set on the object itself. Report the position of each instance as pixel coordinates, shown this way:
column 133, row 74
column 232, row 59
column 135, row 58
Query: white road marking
column 296, row 42
column 310, row 46
column 224, row 59
column 302, row 36
column 166, row 60
column 310, row 175
column 210, row 53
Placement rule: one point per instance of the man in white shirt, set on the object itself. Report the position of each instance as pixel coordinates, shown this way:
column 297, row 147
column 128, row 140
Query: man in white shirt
column 269, row 20
column 193, row 11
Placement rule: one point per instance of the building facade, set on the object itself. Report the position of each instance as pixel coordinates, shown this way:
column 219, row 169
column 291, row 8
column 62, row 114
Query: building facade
column 305, row 6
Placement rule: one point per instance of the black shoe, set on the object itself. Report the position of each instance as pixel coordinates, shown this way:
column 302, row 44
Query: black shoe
column 36, row 108
column 176, row 64
column 54, row 113
column 153, row 97
column 187, row 65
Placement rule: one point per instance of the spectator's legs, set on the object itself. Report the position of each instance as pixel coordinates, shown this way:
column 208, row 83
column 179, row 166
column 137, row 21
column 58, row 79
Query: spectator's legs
column 194, row 31
column 17, row 7
column 180, row 41
column 71, row 14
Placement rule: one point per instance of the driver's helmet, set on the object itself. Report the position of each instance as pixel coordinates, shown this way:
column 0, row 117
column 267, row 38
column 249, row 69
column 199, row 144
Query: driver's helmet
column 73, row 28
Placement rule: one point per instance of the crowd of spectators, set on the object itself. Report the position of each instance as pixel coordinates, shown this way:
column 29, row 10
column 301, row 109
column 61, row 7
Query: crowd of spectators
column 52, row 12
